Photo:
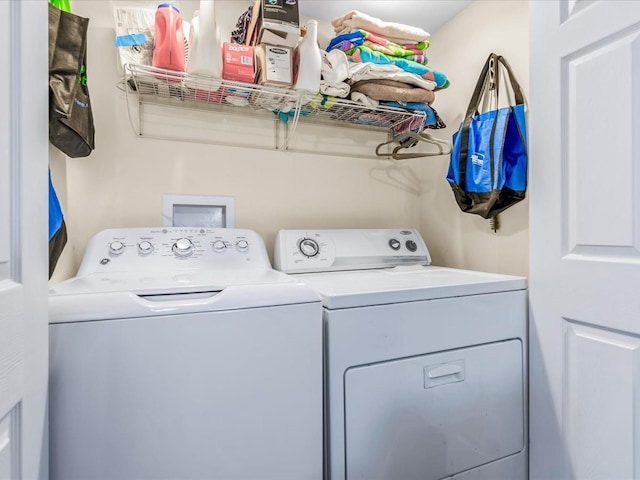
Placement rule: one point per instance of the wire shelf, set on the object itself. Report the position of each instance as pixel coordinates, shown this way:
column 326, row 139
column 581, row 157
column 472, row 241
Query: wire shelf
column 177, row 89
column 332, row 110
column 156, row 85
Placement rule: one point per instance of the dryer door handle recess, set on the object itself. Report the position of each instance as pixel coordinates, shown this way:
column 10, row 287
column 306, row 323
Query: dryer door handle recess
column 444, row 373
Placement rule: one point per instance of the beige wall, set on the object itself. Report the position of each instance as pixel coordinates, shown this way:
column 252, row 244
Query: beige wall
column 460, row 49
column 121, row 183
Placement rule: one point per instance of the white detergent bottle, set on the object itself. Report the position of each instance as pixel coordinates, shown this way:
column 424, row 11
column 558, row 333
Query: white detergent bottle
column 205, row 57
column 308, row 61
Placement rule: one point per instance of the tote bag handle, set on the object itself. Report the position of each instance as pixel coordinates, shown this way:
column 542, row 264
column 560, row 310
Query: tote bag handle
column 491, row 71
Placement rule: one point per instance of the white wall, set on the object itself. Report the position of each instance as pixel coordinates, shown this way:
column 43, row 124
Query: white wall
column 460, row 49
column 121, row 183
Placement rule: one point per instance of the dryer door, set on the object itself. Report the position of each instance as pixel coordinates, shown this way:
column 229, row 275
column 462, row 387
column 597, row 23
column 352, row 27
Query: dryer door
column 435, row 415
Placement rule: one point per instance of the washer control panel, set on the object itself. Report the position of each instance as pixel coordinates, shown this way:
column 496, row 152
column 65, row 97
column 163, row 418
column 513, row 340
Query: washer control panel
column 152, row 249
column 305, row 251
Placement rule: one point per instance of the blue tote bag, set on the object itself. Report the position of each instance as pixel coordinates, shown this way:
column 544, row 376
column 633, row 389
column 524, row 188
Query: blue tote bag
column 488, row 168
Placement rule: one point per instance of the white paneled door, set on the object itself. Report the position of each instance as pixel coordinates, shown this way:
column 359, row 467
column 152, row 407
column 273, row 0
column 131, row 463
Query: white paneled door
column 23, row 239
column 585, row 240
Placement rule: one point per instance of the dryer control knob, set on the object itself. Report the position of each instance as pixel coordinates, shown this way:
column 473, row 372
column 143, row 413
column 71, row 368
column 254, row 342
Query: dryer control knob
column 183, row 248
column 395, row 244
column 411, row 245
column 308, row 247
column 145, row 248
column 116, row 248
column 219, row 246
column 242, row 245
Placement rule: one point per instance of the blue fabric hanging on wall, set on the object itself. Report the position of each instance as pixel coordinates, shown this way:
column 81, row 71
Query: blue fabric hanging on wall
column 55, row 212
column 57, row 228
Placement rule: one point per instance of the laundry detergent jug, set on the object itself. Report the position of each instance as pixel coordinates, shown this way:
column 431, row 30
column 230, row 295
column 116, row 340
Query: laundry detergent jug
column 169, row 46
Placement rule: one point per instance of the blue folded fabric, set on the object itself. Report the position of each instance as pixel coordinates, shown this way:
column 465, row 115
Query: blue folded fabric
column 356, row 38
column 430, row 117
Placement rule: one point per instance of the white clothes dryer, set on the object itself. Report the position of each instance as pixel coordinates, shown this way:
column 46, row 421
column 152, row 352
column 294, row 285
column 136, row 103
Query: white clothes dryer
column 425, row 367
column 179, row 353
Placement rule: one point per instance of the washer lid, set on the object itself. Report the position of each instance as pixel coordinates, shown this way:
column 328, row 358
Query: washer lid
column 404, row 284
column 101, row 297
column 167, row 282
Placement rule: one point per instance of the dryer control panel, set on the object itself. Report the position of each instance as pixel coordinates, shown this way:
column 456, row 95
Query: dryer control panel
column 306, row 251
column 168, row 248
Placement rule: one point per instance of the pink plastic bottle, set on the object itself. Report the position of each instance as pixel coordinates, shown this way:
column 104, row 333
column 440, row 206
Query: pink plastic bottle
column 169, row 49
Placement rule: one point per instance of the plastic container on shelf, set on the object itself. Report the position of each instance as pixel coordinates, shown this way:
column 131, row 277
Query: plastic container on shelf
column 205, row 59
column 308, row 61
column 168, row 51
column 205, row 42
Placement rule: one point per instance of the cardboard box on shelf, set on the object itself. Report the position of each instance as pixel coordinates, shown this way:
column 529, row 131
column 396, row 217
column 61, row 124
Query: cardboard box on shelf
column 274, row 22
column 274, row 65
column 238, row 62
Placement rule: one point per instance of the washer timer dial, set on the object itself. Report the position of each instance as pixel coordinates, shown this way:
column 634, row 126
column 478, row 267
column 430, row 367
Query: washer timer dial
column 183, row 248
column 308, row 247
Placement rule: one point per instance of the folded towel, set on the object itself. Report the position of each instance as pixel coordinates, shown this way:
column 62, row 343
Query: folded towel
column 354, row 38
column 348, row 47
column 362, row 54
column 389, row 90
column 385, row 42
column 349, row 40
column 396, row 51
column 341, row 89
column 364, row 100
column 355, row 19
column 370, row 71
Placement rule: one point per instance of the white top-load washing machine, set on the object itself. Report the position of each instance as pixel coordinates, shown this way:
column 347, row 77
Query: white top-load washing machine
column 425, row 367
column 178, row 353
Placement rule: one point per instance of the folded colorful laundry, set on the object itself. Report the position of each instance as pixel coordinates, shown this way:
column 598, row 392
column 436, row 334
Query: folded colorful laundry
column 350, row 40
column 355, row 19
column 371, row 71
column 363, row 54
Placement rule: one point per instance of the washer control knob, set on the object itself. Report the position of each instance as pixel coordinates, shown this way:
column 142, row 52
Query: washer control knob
column 183, row 248
column 116, row 248
column 411, row 245
column 145, row 248
column 242, row 245
column 308, row 247
column 395, row 244
column 219, row 246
